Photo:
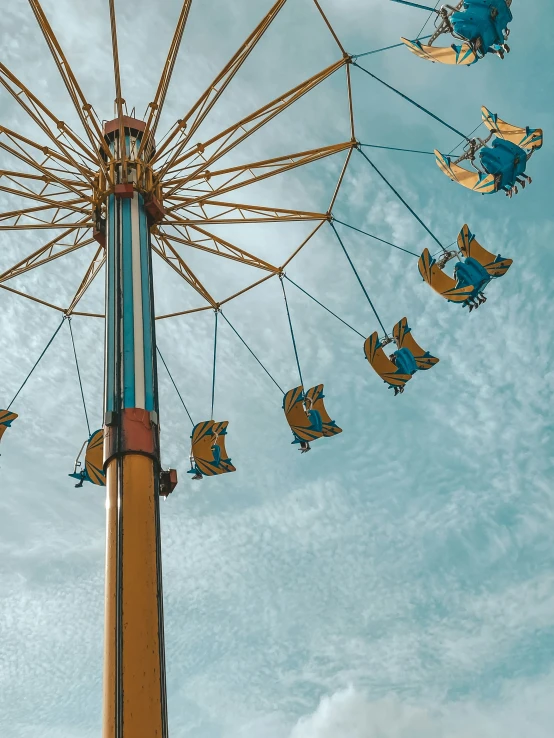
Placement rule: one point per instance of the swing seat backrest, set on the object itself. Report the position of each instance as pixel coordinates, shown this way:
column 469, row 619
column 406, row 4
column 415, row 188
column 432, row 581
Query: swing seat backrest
column 329, row 427
column 94, row 459
column 476, row 181
column 404, row 339
column 202, row 439
column 496, row 266
column 462, row 55
column 440, row 281
column 525, row 138
column 220, row 429
column 6, row 419
column 381, row 363
column 297, row 417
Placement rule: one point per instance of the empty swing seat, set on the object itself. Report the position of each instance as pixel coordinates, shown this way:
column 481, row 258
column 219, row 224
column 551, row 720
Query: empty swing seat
column 495, row 266
column 406, row 343
column 441, row 282
column 209, row 456
column 408, row 358
column 6, row 419
column 93, row 471
column 472, row 274
column 305, row 427
column 380, row 362
column 314, row 397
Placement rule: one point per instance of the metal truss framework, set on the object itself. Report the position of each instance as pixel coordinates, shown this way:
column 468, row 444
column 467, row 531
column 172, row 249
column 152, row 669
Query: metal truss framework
column 64, row 178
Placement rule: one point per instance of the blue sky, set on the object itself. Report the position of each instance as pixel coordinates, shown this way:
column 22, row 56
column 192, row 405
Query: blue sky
column 396, row 582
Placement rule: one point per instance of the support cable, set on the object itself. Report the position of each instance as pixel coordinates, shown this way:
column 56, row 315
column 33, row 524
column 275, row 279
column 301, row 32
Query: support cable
column 382, row 240
column 470, row 136
column 37, row 362
column 173, row 382
column 413, row 102
column 399, row 196
column 325, row 307
column 79, row 375
column 394, row 148
column 291, row 329
column 433, row 10
column 417, row 5
column 385, row 48
column 358, row 278
column 215, row 356
column 237, row 334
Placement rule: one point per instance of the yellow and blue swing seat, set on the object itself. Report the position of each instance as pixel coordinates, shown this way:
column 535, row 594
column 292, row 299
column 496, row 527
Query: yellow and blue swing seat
column 409, row 356
column 6, row 419
column 503, row 161
column 481, row 25
column 308, row 425
column 471, row 275
column 209, row 456
column 93, row 471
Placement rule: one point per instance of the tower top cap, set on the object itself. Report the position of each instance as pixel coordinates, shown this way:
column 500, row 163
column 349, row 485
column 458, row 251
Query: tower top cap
column 111, row 126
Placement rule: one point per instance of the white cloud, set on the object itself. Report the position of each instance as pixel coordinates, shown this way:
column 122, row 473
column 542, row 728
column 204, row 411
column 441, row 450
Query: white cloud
column 412, row 554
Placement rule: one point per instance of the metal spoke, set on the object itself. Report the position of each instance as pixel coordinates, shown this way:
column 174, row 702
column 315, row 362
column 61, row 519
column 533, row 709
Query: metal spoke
column 85, row 111
column 217, row 246
column 222, row 143
column 156, row 106
column 52, row 250
column 98, row 261
column 119, row 101
column 218, row 212
column 257, row 171
column 208, row 99
column 39, row 113
column 171, row 256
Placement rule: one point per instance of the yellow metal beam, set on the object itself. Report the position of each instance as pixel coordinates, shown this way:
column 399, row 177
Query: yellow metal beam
column 85, row 111
column 22, row 155
column 304, row 242
column 98, row 261
column 46, row 226
column 49, row 252
column 218, row 212
column 162, row 246
column 39, row 113
column 247, row 289
column 31, row 297
column 199, row 111
column 119, row 101
column 45, row 179
column 257, row 172
column 183, row 312
column 156, row 106
column 330, row 27
column 218, row 247
column 30, row 212
column 350, row 103
column 340, row 181
column 222, row 143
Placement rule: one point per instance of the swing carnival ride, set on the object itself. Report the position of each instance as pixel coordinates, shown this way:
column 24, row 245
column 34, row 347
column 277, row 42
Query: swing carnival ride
column 130, row 199
column 481, row 26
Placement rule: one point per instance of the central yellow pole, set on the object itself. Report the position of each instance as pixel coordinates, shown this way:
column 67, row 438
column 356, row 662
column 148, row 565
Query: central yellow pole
column 134, row 699
column 134, row 660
